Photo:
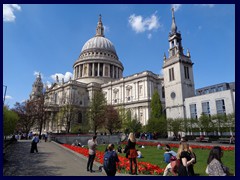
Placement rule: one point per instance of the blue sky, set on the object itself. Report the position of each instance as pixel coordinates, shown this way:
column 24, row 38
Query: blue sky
column 49, row 38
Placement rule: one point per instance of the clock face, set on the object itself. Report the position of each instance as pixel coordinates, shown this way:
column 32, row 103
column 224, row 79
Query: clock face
column 173, row 95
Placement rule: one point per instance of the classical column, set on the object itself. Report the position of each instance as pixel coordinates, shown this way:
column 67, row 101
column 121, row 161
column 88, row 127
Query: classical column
column 93, row 69
column 74, row 73
column 98, row 69
column 81, row 70
column 109, row 66
column 150, row 89
column 103, row 70
column 113, row 71
column 88, row 72
column 117, row 72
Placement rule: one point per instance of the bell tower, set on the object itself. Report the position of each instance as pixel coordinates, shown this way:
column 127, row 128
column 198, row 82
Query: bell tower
column 178, row 74
column 37, row 88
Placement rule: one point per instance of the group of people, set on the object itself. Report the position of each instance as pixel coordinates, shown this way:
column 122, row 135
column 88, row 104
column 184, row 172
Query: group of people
column 178, row 164
column 111, row 157
column 182, row 162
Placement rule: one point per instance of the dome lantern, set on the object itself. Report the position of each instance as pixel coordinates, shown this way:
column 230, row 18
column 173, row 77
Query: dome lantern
column 100, row 28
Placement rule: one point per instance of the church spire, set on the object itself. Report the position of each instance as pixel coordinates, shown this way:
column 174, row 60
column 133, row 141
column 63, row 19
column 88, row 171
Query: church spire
column 174, row 26
column 100, row 28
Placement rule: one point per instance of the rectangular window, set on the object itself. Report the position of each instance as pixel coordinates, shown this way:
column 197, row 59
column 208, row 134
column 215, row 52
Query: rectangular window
column 206, row 108
column 171, row 74
column 213, row 89
column 186, row 72
column 206, row 91
column 140, row 90
column 128, row 92
column 193, row 111
column 163, row 92
column 220, row 88
column 220, row 105
column 55, row 98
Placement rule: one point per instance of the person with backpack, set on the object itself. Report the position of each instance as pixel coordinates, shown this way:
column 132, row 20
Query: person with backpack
column 186, row 160
column 110, row 160
column 35, row 141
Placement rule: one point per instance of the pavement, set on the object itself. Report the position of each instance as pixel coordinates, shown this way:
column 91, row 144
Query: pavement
column 52, row 160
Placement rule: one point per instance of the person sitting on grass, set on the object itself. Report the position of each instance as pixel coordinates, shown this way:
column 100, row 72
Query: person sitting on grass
column 139, row 154
column 168, row 154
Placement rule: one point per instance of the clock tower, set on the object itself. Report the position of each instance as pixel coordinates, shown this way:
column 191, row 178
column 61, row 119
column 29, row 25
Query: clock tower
column 178, row 75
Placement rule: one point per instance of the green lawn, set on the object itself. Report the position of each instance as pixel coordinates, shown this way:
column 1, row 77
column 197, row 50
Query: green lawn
column 155, row 156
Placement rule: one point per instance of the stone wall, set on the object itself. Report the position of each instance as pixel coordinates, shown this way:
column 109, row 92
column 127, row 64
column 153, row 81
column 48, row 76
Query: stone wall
column 83, row 139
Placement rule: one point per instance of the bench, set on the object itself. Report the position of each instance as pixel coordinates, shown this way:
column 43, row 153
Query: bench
column 205, row 139
column 197, row 139
column 171, row 138
column 224, row 140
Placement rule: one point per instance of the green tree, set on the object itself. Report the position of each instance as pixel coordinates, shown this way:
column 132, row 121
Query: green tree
column 125, row 118
column 175, row 126
column 157, row 121
column 231, row 122
column 205, row 123
column 134, row 126
column 156, row 106
column 112, row 121
column 66, row 115
column 96, row 111
column 10, row 119
column 190, row 125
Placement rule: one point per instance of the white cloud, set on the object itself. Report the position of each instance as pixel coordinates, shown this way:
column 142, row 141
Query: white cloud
column 139, row 24
column 60, row 76
column 208, row 5
column 48, row 84
column 36, row 73
column 106, row 29
column 161, row 72
column 24, row 100
column 176, row 7
column 8, row 97
column 149, row 36
column 8, row 12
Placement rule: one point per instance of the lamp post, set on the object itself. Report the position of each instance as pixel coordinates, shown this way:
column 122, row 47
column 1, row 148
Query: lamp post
column 4, row 94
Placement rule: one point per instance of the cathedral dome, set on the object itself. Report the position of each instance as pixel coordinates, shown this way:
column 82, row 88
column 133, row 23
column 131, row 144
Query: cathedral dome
column 99, row 42
column 98, row 61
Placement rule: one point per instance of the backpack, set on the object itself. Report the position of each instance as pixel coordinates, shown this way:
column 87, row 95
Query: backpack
column 109, row 163
column 193, row 155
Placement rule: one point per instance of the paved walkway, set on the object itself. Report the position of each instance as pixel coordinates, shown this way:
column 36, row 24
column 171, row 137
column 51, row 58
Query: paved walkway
column 52, row 160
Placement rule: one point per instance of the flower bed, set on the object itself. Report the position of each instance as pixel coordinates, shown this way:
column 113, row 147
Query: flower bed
column 123, row 165
column 225, row 148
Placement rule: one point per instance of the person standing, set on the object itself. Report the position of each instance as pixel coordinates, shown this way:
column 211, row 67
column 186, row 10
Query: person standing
column 215, row 166
column 186, row 160
column 34, row 143
column 110, row 160
column 46, row 137
column 132, row 156
column 92, row 144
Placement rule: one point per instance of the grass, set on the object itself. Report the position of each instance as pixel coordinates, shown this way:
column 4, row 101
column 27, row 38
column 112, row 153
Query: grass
column 155, row 156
